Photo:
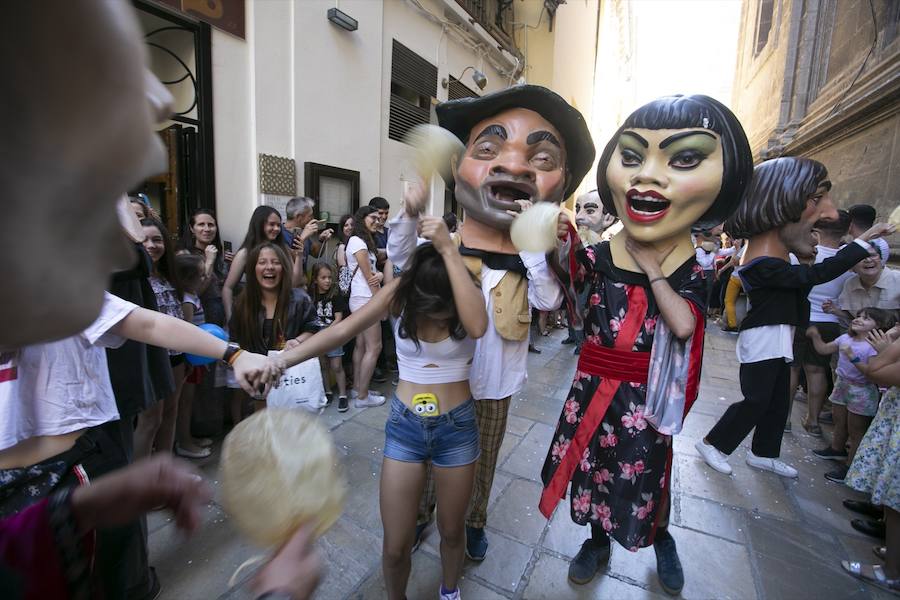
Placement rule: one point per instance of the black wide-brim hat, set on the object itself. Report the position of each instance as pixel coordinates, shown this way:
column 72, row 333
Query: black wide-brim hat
column 459, row 116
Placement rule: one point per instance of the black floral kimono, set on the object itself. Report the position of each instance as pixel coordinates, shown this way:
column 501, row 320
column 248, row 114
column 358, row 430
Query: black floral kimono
column 614, row 462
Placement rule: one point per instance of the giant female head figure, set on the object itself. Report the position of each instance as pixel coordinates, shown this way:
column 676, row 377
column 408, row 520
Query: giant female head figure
column 675, row 163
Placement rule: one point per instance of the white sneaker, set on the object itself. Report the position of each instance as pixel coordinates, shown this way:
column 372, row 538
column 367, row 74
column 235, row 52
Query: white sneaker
column 454, row 595
column 771, row 464
column 372, row 399
column 713, row 457
column 354, row 394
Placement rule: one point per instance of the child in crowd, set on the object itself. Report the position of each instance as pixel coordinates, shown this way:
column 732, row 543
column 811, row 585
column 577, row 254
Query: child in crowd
column 156, row 425
column 330, row 309
column 437, row 312
column 189, row 269
column 269, row 314
column 855, row 398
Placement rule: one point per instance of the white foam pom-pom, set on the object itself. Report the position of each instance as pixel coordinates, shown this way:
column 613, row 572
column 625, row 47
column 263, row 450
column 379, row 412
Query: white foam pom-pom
column 894, row 219
column 436, row 146
column 279, row 470
column 535, row 229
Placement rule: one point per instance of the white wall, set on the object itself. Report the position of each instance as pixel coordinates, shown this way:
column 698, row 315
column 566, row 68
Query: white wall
column 409, row 27
column 338, row 90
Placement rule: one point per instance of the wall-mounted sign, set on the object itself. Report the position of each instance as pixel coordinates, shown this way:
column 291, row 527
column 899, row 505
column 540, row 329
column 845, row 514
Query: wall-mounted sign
column 227, row 15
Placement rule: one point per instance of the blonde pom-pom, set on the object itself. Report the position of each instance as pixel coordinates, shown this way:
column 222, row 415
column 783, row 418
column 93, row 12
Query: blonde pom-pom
column 279, row 471
column 436, row 146
column 535, row 229
column 894, row 219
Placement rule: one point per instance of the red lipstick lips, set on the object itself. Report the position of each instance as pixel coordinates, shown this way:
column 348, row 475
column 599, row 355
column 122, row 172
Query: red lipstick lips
column 645, row 207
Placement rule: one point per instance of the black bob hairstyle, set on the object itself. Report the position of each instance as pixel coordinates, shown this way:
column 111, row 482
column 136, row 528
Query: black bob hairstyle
column 685, row 112
column 777, row 195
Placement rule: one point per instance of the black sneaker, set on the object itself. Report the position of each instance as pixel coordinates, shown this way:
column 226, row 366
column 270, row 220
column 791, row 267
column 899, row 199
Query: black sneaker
column 838, row 475
column 668, row 566
column 343, row 404
column 591, row 558
column 378, row 376
column 569, row 340
column 532, row 349
column 476, row 543
column 829, row 453
column 329, row 398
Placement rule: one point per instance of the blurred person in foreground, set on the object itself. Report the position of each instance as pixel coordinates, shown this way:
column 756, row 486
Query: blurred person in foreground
column 67, row 136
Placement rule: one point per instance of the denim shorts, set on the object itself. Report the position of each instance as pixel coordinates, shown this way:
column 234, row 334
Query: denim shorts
column 336, row 353
column 447, row 440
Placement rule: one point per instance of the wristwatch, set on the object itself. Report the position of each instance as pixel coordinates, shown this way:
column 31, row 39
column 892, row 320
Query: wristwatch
column 231, row 351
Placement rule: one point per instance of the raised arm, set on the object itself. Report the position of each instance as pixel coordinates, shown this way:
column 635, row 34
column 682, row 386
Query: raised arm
column 403, row 239
column 822, row 347
column 466, row 295
column 339, row 333
column 234, row 276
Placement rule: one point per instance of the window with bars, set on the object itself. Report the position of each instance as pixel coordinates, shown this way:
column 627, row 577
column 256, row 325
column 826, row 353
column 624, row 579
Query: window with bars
column 457, row 89
column 413, row 85
column 764, row 15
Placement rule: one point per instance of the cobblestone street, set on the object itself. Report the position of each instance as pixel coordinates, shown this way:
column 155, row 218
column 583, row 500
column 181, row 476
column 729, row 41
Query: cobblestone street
column 749, row 535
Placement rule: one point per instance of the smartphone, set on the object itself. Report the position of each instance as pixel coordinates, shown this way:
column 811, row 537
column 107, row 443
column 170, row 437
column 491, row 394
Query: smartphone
column 321, row 223
column 226, row 246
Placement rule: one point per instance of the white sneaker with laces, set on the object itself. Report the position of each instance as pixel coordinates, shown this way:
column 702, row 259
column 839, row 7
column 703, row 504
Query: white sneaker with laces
column 454, row 595
column 713, row 457
column 771, row 464
column 372, row 399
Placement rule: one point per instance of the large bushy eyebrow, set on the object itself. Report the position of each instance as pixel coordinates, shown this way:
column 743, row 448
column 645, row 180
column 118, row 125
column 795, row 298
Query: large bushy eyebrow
column 681, row 135
column 640, row 140
column 497, row 130
column 539, row 136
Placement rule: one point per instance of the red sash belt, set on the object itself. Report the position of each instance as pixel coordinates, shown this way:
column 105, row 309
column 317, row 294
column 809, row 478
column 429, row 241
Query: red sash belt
column 606, row 361
column 614, row 363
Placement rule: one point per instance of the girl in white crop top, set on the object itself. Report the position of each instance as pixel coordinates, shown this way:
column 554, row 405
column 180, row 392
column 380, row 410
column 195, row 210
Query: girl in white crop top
column 437, row 312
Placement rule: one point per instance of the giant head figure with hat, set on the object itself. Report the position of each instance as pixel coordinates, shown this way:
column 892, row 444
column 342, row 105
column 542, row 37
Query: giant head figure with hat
column 524, row 143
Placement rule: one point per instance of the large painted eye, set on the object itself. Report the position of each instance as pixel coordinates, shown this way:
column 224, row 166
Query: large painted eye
column 630, row 158
column 430, row 407
column 420, row 408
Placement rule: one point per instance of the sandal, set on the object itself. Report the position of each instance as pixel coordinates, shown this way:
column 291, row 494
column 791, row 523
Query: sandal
column 813, row 430
column 877, row 576
column 879, row 551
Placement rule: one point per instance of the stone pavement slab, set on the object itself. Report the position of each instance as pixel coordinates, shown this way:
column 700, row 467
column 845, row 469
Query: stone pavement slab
column 745, row 536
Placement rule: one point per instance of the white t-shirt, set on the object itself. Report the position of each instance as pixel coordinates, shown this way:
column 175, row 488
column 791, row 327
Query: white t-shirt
column 63, row 386
column 359, row 286
column 826, row 291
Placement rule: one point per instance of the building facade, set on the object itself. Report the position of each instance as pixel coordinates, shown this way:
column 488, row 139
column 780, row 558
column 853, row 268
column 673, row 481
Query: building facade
column 821, row 79
column 297, row 104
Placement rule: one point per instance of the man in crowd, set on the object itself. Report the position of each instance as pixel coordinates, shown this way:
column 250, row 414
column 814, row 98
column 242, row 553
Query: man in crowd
column 524, row 145
column 300, row 229
column 817, row 367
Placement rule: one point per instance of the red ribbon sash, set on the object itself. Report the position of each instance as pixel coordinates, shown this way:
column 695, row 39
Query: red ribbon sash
column 628, row 332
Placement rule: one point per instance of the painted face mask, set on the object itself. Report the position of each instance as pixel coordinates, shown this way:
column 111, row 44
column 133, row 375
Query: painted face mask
column 514, row 155
column 676, row 163
column 591, row 214
column 662, row 181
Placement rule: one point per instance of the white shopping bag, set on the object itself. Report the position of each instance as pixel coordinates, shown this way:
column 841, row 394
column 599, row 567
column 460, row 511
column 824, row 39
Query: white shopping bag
column 300, row 387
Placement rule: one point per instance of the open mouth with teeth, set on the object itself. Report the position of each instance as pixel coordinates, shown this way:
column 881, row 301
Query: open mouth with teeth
column 645, row 207
column 503, row 194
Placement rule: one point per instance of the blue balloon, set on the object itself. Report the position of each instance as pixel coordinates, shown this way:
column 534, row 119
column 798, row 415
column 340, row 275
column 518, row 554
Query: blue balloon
column 215, row 330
